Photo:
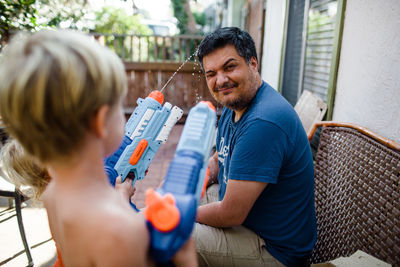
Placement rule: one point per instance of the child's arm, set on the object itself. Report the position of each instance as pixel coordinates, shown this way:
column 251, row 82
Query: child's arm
column 125, row 189
column 186, row 256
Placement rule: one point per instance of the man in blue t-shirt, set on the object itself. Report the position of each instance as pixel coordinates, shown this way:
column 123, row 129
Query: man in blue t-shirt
column 262, row 211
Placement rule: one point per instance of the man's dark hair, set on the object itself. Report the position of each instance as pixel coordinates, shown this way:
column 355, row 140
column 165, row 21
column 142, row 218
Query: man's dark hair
column 242, row 41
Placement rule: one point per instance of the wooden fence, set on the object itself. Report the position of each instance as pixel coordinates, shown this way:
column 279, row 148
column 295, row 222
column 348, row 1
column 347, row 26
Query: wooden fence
column 151, row 48
column 187, row 88
column 150, row 61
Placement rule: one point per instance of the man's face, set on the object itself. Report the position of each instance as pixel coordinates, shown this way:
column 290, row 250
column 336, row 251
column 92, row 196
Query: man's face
column 231, row 81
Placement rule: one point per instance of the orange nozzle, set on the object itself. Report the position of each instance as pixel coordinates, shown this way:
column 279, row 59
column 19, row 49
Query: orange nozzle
column 157, row 95
column 161, row 211
column 209, row 104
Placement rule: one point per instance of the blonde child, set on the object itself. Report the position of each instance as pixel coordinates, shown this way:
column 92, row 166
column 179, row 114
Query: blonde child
column 21, row 169
column 61, row 97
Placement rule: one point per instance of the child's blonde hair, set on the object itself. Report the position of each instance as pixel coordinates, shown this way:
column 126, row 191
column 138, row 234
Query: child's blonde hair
column 52, row 83
column 22, row 169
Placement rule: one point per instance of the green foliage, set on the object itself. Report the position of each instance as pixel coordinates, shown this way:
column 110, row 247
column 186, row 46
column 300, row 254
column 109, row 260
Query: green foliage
column 14, row 16
column 30, row 15
column 113, row 20
column 116, row 20
column 200, row 18
column 180, row 15
column 64, row 13
column 188, row 20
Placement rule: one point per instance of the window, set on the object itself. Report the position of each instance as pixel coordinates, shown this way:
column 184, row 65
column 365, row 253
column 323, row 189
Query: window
column 313, row 37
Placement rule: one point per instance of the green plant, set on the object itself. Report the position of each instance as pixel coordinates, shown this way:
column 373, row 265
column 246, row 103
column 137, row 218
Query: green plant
column 15, row 16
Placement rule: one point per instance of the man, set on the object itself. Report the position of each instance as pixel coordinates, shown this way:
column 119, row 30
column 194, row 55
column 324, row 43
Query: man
column 264, row 215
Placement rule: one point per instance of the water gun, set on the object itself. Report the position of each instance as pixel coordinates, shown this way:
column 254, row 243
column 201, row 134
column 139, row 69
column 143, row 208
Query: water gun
column 147, row 128
column 171, row 210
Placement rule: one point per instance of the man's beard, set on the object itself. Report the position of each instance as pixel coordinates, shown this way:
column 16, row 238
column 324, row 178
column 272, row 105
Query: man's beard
column 242, row 101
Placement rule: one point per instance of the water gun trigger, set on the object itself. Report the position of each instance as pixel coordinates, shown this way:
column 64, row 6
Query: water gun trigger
column 161, row 211
column 151, row 121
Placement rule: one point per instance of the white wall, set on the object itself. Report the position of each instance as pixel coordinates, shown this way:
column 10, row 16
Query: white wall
column 273, row 41
column 368, row 86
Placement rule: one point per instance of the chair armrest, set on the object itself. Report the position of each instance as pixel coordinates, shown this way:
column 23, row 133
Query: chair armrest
column 383, row 140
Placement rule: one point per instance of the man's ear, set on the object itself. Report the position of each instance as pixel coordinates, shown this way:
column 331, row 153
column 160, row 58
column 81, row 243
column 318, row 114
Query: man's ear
column 99, row 121
column 253, row 63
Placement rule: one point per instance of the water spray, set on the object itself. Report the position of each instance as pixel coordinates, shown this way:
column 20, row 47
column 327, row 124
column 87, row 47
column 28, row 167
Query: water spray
column 173, row 75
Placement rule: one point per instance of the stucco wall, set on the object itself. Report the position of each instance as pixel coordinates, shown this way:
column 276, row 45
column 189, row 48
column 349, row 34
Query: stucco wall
column 368, row 86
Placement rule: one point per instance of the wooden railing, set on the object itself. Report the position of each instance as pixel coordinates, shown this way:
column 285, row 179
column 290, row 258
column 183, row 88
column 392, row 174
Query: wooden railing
column 150, row 48
column 150, row 61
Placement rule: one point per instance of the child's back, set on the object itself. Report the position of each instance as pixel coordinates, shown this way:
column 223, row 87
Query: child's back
column 93, row 225
column 61, row 98
column 22, row 169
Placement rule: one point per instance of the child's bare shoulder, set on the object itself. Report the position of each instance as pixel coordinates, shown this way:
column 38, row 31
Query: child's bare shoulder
column 127, row 235
column 117, row 220
column 104, row 229
column 126, row 220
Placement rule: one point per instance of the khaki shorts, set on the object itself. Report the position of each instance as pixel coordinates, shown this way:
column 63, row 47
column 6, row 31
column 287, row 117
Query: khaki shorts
column 233, row 246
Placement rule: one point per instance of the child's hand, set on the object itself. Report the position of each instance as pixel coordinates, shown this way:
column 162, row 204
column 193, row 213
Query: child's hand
column 125, row 189
column 186, row 256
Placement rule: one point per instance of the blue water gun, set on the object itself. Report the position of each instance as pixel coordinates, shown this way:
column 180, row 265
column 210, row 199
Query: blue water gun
column 171, row 210
column 147, row 128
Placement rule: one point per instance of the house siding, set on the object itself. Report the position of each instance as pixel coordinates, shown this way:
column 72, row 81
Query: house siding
column 368, row 83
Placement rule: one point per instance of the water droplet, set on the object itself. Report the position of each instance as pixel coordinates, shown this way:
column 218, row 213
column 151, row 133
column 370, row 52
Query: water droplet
column 173, row 75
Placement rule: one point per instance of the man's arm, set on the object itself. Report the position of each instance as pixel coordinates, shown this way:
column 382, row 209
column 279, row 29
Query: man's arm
column 214, row 169
column 259, row 158
column 239, row 198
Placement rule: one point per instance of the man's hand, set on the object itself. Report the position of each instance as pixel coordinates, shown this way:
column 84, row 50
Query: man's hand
column 125, row 189
column 214, row 169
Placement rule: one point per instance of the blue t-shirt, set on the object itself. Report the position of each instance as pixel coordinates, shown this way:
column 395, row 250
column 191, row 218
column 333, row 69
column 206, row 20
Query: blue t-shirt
column 268, row 144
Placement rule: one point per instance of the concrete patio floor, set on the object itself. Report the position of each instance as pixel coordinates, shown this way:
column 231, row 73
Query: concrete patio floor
column 34, row 216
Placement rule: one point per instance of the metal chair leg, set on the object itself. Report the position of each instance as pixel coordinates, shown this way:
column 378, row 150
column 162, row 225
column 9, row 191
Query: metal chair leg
column 21, row 227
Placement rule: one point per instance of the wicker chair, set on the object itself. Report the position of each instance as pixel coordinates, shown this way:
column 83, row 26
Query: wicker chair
column 357, row 194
